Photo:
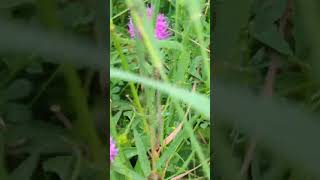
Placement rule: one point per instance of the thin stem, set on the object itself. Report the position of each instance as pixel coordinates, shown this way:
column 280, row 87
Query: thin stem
column 45, row 86
column 125, row 66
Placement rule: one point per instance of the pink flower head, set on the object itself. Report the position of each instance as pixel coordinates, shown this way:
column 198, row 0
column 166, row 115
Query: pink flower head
column 113, row 149
column 131, row 28
column 161, row 29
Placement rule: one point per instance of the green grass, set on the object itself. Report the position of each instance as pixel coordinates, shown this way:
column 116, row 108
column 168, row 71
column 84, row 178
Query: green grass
column 38, row 143
column 151, row 91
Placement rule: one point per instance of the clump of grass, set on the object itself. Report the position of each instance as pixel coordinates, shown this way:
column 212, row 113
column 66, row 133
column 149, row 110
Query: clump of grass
column 159, row 90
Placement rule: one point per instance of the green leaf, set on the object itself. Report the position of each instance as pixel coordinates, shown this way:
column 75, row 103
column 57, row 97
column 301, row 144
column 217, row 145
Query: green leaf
column 170, row 45
column 26, row 168
column 43, row 137
column 18, row 112
column 130, row 152
column 229, row 26
column 60, row 165
column 138, row 168
column 273, row 38
column 91, row 171
column 259, row 56
column 142, row 152
column 120, row 168
column 18, row 89
column 170, row 150
column 182, row 67
column 269, row 11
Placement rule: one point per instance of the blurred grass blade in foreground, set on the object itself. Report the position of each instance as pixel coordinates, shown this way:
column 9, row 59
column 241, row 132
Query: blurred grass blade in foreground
column 61, row 48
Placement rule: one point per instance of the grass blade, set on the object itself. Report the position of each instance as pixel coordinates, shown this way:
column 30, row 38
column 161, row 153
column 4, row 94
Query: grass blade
column 142, row 154
column 197, row 101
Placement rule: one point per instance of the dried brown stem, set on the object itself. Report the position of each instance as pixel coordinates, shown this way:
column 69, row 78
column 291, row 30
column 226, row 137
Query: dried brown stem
column 174, row 133
column 186, row 173
column 268, row 88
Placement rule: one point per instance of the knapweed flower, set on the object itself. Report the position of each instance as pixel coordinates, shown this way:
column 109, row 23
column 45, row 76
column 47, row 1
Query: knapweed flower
column 113, row 149
column 161, row 30
column 131, row 28
column 162, row 27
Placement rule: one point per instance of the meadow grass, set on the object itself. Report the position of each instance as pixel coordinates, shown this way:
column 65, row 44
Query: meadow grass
column 159, row 92
column 160, row 108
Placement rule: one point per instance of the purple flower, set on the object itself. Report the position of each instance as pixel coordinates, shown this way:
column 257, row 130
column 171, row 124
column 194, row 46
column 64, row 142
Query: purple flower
column 162, row 27
column 113, row 149
column 131, row 28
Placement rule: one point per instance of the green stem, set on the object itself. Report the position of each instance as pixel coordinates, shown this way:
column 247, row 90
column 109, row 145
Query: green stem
column 45, row 86
column 125, row 66
column 83, row 126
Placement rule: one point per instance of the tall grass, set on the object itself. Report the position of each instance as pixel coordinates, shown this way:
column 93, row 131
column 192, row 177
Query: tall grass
column 285, row 131
column 155, row 85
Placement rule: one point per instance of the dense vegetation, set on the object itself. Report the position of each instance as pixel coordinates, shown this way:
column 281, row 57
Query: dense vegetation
column 160, row 113
column 267, row 96
column 54, row 86
column 53, row 90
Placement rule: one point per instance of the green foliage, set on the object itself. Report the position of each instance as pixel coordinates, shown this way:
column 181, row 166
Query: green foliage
column 250, row 37
column 151, row 84
column 52, row 115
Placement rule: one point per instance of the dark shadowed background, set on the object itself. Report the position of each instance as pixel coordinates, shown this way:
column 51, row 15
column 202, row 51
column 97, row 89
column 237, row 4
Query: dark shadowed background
column 266, row 109
column 53, row 90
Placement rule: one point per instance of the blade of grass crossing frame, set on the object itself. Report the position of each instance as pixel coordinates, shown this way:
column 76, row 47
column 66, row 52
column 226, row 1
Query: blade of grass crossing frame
column 197, row 101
